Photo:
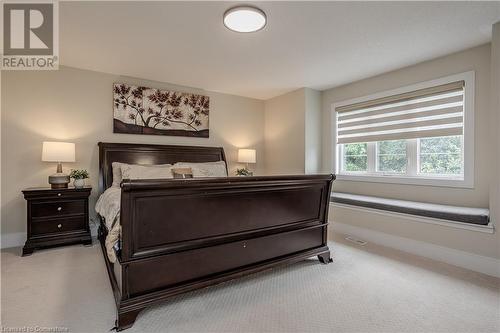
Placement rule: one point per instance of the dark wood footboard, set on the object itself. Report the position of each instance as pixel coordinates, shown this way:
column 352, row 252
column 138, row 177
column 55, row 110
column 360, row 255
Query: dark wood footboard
column 162, row 217
column 182, row 235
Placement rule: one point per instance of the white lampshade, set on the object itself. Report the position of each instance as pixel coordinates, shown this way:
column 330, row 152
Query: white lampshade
column 246, row 156
column 58, row 152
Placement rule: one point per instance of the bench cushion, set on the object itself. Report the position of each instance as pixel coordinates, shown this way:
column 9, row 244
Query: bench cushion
column 451, row 213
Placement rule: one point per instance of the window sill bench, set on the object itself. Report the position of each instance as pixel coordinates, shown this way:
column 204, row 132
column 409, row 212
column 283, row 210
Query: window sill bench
column 476, row 219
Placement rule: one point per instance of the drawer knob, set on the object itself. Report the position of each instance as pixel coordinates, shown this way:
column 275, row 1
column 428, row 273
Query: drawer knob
column 59, row 226
column 244, row 245
column 58, row 194
column 59, row 209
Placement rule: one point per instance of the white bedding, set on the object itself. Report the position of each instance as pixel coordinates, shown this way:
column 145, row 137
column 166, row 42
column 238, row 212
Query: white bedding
column 108, row 206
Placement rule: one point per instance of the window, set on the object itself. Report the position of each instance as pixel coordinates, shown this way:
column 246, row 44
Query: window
column 415, row 135
column 440, row 156
column 391, row 156
column 355, row 157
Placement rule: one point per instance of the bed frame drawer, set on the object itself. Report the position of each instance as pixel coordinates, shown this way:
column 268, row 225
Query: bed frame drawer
column 196, row 264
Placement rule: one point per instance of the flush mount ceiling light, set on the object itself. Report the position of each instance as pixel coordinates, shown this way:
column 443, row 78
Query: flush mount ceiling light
column 244, row 19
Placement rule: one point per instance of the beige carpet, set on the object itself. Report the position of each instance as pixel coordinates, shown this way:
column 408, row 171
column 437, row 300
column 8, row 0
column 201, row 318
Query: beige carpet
column 365, row 289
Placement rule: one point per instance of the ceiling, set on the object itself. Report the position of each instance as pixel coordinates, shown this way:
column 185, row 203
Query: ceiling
column 317, row 44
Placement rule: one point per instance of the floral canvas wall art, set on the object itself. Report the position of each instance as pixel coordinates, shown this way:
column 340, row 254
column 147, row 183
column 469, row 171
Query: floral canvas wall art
column 143, row 110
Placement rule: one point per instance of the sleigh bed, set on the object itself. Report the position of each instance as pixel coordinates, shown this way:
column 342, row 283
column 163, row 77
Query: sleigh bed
column 179, row 235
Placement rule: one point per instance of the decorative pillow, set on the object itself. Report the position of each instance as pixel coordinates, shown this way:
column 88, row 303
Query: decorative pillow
column 207, row 169
column 182, row 172
column 117, row 171
column 134, row 171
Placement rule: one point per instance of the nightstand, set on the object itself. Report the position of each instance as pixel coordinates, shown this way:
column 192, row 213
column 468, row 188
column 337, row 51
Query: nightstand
column 57, row 217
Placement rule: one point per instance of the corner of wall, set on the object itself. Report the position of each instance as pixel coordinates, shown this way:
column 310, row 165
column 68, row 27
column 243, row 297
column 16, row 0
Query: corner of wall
column 293, row 120
column 313, row 131
column 494, row 200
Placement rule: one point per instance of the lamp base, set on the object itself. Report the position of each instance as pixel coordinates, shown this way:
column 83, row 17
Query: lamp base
column 58, row 180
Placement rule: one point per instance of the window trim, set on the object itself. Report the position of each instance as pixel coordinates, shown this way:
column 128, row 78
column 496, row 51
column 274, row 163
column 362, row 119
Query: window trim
column 444, row 181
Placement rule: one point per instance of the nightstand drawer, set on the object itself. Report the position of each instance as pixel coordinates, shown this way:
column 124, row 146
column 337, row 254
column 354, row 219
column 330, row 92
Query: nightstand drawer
column 40, row 227
column 59, row 194
column 62, row 208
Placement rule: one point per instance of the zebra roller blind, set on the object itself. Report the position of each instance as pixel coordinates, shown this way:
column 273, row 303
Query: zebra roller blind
column 430, row 112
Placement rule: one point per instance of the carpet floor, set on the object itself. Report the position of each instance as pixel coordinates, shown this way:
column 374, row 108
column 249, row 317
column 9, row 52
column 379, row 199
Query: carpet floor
column 366, row 289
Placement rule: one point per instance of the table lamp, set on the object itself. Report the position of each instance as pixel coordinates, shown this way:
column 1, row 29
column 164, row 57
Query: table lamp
column 58, row 152
column 246, row 156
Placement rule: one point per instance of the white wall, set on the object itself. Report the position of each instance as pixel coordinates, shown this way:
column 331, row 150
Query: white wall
column 313, row 134
column 477, row 59
column 293, row 132
column 76, row 106
column 285, row 133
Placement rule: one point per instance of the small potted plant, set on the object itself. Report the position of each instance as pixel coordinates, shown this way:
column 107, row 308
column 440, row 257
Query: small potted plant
column 243, row 172
column 79, row 177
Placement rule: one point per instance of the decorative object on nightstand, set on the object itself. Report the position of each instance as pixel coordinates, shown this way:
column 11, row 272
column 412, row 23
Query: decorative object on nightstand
column 79, row 177
column 57, row 217
column 246, row 156
column 58, row 152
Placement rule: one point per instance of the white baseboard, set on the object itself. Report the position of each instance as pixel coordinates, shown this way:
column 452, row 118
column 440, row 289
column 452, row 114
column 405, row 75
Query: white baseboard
column 475, row 262
column 13, row 239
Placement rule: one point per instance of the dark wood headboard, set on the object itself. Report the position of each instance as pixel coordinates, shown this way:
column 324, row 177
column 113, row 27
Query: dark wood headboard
column 132, row 153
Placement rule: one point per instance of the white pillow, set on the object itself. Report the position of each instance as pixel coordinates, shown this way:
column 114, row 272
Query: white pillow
column 117, row 173
column 134, row 171
column 207, row 169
